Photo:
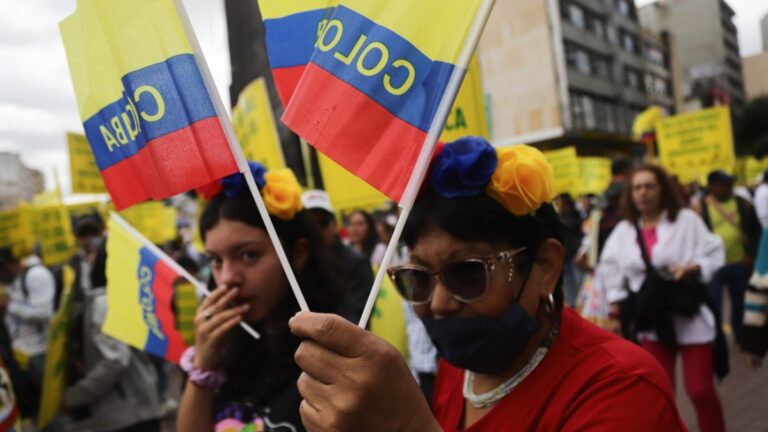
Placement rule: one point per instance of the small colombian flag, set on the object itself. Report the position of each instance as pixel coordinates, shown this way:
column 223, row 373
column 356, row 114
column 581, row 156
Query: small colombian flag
column 148, row 116
column 139, row 295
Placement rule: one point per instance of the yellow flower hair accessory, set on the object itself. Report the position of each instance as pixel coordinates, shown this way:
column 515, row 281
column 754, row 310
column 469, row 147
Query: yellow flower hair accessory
column 523, row 180
column 282, row 193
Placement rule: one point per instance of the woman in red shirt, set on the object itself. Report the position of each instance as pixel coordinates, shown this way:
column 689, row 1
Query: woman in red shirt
column 484, row 274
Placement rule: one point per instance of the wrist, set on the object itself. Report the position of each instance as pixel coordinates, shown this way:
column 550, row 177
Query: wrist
column 197, row 375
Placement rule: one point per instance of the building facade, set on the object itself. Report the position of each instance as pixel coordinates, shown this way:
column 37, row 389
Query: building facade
column 571, row 72
column 17, row 182
column 706, row 47
column 764, row 31
column 756, row 75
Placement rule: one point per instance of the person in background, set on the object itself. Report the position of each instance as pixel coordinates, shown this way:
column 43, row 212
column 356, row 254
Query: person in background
column 363, row 237
column 571, row 219
column 484, row 270
column 31, row 289
column 733, row 219
column 678, row 246
column 119, row 383
column 754, row 341
column 235, row 382
column 356, row 267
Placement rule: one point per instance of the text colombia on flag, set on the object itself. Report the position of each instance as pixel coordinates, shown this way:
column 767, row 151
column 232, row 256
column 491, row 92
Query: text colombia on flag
column 379, row 70
column 139, row 296
column 147, row 114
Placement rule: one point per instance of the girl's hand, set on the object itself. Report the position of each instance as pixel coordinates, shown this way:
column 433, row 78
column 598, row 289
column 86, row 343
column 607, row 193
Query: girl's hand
column 215, row 317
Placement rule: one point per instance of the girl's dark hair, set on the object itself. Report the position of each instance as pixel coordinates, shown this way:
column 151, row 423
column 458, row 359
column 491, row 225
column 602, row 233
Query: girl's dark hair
column 481, row 218
column 372, row 238
column 671, row 201
column 259, row 370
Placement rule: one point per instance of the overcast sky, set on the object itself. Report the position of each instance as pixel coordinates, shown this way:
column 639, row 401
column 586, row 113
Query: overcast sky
column 37, row 103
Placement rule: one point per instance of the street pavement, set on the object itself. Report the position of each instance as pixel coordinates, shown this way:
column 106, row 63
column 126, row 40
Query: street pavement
column 743, row 393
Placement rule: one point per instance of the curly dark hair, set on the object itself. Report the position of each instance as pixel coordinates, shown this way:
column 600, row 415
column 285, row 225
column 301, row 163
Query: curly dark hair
column 264, row 368
column 671, row 201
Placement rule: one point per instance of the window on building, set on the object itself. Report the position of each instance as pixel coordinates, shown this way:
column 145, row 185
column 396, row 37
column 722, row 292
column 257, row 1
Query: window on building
column 628, row 43
column 578, row 59
column 576, row 16
column 624, row 8
column 596, row 25
column 592, row 113
column 654, row 55
column 632, row 78
column 601, row 67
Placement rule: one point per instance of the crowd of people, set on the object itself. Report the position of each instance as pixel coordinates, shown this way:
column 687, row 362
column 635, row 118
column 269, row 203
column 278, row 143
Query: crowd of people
column 496, row 277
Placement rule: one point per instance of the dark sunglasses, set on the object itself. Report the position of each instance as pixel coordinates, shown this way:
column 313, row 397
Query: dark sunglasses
column 467, row 279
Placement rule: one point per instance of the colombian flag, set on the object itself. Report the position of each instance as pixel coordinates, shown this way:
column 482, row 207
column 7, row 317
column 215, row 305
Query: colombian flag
column 139, row 295
column 378, row 71
column 147, row 114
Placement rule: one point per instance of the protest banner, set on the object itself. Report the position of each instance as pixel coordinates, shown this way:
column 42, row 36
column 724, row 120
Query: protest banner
column 52, row 228
column 16, row 230
column 566, row 168
column 57, row 353
column 388, row 318
column 692, row 145
column 146, row 111
column 346, row 191
column 468, row 115
column 595, row 175
column 254, row 125
column 154, row 220
column 83, row 170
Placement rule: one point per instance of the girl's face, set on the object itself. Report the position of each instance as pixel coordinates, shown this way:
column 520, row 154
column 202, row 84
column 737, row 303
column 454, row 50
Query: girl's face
column 243, row 257
column 357, row 227
column 646, row 192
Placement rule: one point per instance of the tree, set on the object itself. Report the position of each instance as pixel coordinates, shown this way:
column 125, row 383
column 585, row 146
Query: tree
column 751, row 128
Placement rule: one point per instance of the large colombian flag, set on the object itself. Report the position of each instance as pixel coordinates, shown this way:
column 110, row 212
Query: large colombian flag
column 147, row 114
column 139, row 295
column 378, row 71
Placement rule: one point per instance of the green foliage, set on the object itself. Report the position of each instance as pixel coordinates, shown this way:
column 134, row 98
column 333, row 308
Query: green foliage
column 751, row 128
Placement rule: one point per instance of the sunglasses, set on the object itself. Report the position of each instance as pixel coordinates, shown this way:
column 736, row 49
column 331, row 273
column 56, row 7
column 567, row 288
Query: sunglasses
column 467, row 280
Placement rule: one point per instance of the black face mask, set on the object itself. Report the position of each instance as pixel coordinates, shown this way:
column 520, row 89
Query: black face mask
column 483, row 345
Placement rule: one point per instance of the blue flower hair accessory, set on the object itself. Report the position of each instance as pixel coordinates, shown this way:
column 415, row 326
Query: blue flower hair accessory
column 234, row 184
column 463, row 168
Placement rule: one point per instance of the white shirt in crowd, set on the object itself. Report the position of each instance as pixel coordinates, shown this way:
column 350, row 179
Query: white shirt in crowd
column 28, row 314
column 683, row 242
column 761, row 204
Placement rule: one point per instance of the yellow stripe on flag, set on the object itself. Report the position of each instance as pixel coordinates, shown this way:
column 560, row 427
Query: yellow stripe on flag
column 120, row 30
column 124, row 314
column 282, row 8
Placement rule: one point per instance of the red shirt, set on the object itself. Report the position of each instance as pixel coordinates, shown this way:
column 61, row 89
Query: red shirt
column 591, row 380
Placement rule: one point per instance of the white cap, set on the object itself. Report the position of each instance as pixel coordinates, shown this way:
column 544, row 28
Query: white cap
column 317, row 199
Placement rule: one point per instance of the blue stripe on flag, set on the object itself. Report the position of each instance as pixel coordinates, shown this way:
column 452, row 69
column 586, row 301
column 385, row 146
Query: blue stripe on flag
column 157, row 100
column 157, row 341
column 384, row 66
column 291, row 39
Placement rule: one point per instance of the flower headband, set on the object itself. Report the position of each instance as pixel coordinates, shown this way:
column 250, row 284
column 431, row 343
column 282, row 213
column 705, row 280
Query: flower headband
column 518, row 177
column 279, row 189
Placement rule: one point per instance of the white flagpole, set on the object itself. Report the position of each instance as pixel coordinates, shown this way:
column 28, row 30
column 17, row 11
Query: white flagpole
column 428, row 149
column 237, row 151
column 172, row 264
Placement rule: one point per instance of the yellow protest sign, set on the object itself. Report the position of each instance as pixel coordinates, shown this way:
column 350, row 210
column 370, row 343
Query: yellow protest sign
column 16, row 230
column 388, row 318
column 595, row 174
column 52, row 227
column 85, row 174
column 348, row 192
column 254, row 125
column 752, row 169
column 692, row 145
column 154, row 220
column 566, row 168
column 55, row 374
column 468, row 116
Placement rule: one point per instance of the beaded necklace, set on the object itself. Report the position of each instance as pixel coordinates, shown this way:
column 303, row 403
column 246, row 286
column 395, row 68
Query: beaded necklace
column 486, row 400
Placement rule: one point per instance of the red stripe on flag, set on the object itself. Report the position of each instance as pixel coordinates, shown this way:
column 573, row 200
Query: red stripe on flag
column 340, row 120
column 286, row 80
column 172, row 164
column 163, row 290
